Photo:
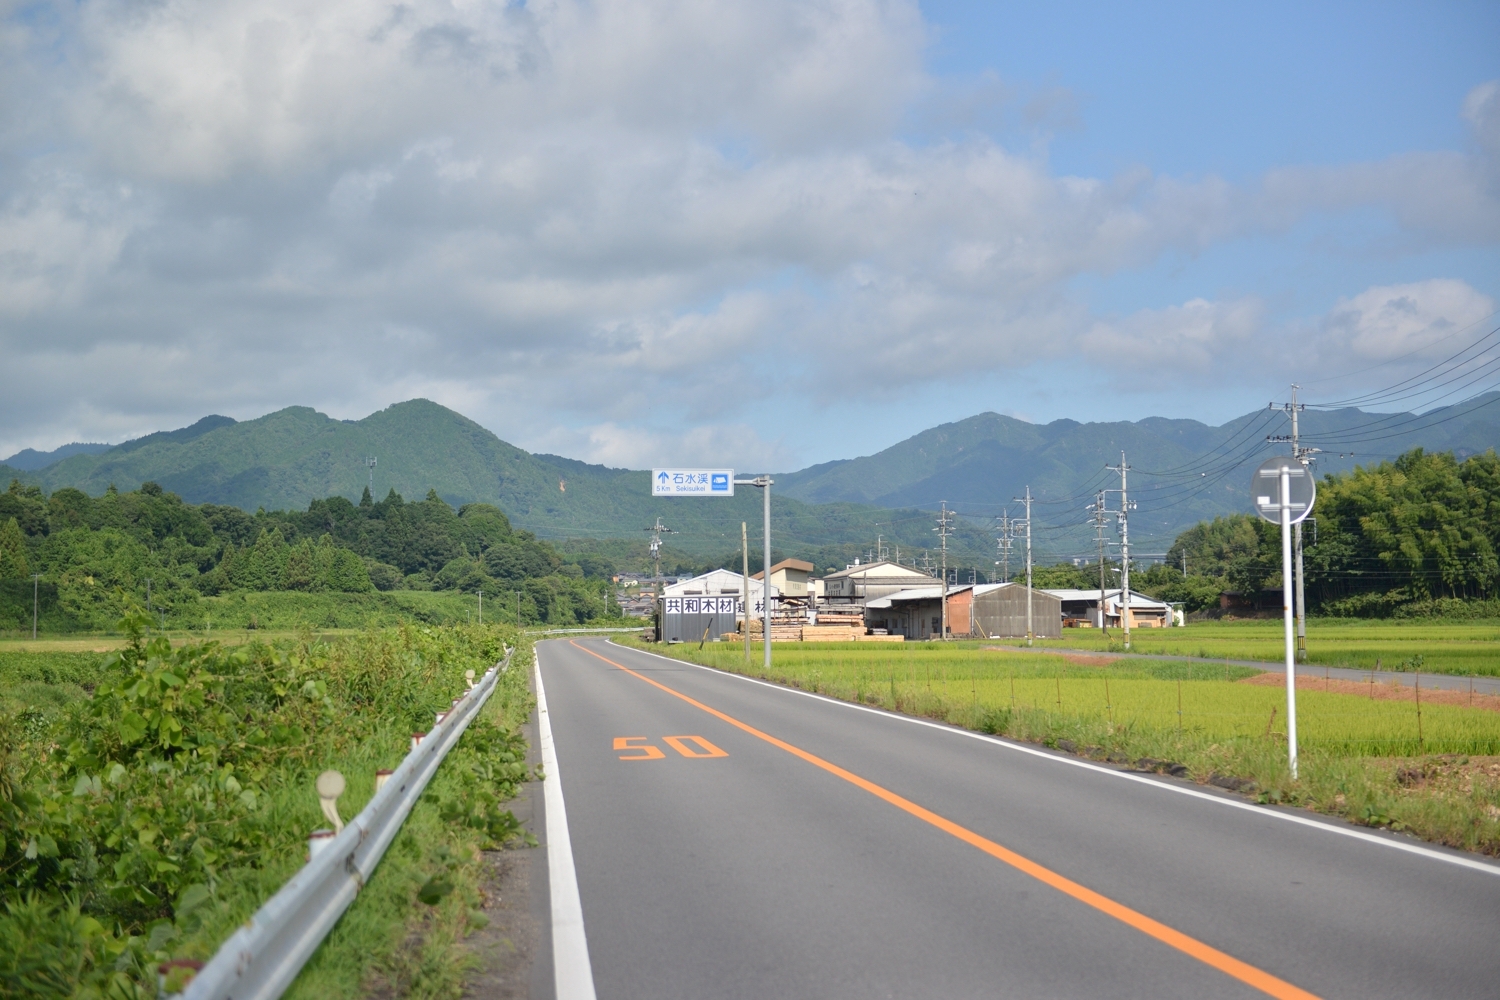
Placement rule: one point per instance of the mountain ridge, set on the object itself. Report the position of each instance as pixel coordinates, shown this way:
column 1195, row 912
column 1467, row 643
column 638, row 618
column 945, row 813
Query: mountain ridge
column 292, row 456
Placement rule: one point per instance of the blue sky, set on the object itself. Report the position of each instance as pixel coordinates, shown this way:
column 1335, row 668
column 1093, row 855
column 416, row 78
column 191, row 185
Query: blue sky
column 669, row 232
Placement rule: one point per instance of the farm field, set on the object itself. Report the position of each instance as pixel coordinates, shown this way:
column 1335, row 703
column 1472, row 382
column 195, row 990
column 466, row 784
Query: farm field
column 1461, row 648
column 1352, row 748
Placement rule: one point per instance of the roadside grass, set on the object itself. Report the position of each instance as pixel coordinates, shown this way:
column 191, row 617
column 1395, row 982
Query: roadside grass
column 268, row 616
column 1359, row 759
column 389, row 942
column 382, row 686
column 1459, row 647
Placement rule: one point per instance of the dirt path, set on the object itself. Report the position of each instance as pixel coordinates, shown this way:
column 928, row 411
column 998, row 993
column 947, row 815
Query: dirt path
column 1379, row 690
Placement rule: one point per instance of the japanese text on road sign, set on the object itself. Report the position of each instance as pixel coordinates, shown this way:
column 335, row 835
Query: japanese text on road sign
column 692, row 482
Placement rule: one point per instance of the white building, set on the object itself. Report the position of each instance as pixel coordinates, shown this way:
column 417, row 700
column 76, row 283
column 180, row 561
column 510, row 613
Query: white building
column 709, row 605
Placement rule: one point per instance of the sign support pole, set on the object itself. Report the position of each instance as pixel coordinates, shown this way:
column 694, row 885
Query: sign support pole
column 1287, row 507
column 764, row 482
column 1287, row 618
column 745, row 585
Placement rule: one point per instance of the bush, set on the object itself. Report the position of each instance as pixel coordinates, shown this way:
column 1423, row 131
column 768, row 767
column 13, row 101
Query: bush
column 383, row 576
column 148, row 821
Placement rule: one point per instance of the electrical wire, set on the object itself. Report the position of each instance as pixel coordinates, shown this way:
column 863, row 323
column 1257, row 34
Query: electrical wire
column 1378, row 395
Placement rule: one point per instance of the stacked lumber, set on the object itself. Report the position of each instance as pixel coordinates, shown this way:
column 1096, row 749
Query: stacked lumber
column 854, row 618
column 789, row 630
column 830, row 633
column 881, row 638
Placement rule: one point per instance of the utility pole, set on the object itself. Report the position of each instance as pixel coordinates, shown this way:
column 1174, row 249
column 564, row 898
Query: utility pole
column 943, row 530
column 1125, row 507
column 518, row 609
column 657, row 530
column 1303, row 456
column 763, row 483
column 1030, row 631
column 1007, row 537
column 35, row 585
column 370, row 462
column 481, row 605
column 1099, row 514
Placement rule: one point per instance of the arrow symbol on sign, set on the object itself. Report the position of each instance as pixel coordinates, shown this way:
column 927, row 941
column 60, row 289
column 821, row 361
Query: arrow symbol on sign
column 663, row 478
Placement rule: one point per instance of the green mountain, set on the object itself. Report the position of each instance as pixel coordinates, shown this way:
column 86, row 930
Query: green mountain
column 1183, row 471
column 287, row 459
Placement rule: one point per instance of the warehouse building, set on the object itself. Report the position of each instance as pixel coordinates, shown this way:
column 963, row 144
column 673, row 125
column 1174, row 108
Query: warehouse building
column 1080, row 609
column 986, row 610
column 710, row 605
column 863, row 582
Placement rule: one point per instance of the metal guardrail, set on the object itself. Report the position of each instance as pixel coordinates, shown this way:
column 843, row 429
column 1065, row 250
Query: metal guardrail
column 263, row 957
column 645, row 624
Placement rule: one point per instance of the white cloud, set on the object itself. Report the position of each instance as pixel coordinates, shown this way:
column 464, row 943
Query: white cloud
column 633, row 447
column 1482, row 112
column 1198, row 337
column 1426, row 320
column 553, row 215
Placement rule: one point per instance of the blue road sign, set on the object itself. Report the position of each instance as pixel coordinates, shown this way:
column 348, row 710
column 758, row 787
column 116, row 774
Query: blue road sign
column 692, row 482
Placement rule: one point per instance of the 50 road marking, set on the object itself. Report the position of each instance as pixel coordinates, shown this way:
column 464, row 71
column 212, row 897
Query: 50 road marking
column 1207, row 954
column 678, row 743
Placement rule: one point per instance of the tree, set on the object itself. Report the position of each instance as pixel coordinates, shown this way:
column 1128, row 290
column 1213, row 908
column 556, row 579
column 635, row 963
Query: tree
column 13, row 562
column 300, row 571
column 265, row 562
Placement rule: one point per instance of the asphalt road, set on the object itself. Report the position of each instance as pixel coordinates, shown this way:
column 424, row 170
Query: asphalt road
column 783, row 845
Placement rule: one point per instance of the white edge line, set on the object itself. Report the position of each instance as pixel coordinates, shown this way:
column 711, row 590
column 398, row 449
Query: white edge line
column 1255, row 810
column 573, row 976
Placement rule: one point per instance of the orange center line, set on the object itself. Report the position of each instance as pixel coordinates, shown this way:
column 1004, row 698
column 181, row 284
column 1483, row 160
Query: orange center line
column 1227, row 964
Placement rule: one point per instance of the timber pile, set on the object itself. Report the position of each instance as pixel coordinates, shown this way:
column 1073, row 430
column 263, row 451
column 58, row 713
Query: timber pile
column 851, row 619
column 831, row 633
column 782, row 630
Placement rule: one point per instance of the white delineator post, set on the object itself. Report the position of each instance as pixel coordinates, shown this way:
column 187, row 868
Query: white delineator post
column 1288, row 618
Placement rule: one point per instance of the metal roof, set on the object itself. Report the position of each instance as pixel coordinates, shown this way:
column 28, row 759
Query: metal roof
column 718, row 581
column 884, row 566
column 1137, row 599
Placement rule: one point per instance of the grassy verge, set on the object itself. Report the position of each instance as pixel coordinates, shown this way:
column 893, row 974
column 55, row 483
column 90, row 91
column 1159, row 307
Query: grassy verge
column 1462, row 647
column 245, row 615
column 1360, row 759
column 153, row 799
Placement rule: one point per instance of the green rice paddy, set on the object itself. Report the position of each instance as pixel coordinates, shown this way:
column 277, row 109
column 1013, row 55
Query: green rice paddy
column 1463, row 648
column 1194, row 701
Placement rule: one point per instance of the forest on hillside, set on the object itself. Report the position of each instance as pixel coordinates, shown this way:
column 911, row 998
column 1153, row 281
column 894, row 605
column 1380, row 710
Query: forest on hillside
column 93, row 556
column 1415, row 536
